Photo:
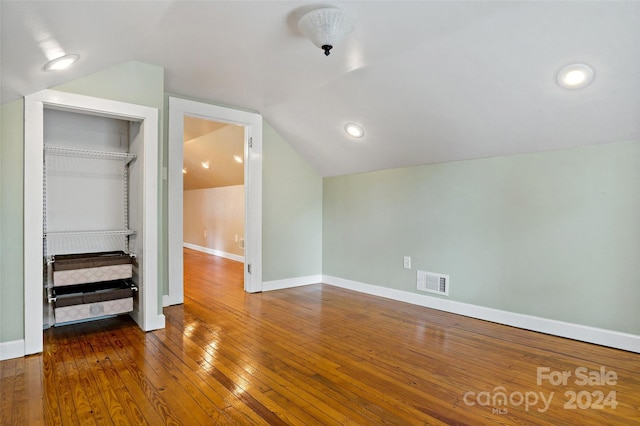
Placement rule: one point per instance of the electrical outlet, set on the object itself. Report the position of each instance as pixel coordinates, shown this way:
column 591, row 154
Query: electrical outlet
column 407, row 262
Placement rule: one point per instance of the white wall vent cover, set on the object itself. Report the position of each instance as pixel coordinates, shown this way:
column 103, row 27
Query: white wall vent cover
column 433, row 283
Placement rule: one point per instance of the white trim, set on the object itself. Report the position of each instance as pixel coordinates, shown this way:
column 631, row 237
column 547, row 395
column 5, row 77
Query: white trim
column 291, row 282
column 252, row 123
column 175, row 154
column 33, row 247
column 13, row 349
column 151, row 318
column 614, row 339
column 214, row 252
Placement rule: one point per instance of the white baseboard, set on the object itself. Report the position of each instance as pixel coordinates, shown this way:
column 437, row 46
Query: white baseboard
column 614, row 339
column 291, row 282
column 208, row 250
column 13, row 349
column 168, row 300
column 156, row 322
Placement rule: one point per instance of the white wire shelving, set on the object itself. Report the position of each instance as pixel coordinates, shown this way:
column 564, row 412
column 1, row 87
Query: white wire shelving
column 85, row 153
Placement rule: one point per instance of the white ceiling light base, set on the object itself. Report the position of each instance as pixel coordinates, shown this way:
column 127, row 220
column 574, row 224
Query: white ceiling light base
column 326, row 27
column 61, row 63
column 354, row 130
column 575, row 76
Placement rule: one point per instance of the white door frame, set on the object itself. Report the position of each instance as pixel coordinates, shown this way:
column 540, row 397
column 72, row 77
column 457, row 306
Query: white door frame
column 178, row 109
column 151, row 317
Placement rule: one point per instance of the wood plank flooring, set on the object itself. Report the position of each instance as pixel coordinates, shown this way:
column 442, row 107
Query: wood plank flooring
column 313, row 355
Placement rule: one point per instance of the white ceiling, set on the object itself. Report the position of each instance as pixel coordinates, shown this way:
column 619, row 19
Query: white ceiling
column 429, row 81
column 215, row 144
column 195, row 127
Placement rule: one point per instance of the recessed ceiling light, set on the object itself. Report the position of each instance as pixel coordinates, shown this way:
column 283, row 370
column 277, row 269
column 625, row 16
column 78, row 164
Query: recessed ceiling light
column 575, row 76
column 61, row 63
column 205, row 164
column 354, row 130
column 184, row 171
column 237, row 158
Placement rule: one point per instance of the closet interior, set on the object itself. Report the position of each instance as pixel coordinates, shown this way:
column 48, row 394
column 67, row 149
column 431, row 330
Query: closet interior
column 91, row 216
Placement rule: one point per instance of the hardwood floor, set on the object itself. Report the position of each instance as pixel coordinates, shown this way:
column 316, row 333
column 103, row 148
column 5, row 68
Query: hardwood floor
column 314, row 355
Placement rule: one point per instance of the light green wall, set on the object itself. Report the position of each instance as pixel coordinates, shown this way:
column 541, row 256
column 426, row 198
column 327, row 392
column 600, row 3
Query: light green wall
column 291, row 211
column 554, row 234
column 132, row 82
column 11, row 222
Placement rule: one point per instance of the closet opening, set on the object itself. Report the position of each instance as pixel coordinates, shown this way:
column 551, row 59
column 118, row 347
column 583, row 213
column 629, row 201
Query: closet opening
column 90, row 188
column 91, row 217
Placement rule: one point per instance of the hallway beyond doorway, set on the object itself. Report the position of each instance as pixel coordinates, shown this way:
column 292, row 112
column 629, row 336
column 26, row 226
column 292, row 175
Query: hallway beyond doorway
column 213, row 274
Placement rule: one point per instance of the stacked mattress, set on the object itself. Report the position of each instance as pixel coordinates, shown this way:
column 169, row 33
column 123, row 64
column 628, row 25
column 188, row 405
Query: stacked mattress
column 92, row 285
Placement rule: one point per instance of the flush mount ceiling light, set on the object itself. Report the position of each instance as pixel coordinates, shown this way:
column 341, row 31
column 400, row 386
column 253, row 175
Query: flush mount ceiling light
column 575, row 76
column 61, row 63
column 354, row 130
column 326, row 27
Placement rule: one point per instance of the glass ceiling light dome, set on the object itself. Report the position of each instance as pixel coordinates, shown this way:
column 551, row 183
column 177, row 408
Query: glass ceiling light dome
column 326, row 27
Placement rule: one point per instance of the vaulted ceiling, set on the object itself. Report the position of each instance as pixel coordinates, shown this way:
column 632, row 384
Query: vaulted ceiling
column 430, row 81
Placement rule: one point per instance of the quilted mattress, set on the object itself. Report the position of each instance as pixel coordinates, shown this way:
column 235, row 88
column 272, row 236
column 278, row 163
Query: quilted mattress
column 78, row 302
column 73, row 269
column 93, row 310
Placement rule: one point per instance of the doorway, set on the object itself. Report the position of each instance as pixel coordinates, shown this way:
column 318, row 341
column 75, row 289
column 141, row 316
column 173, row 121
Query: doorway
column 213, row 188
column 251, row 125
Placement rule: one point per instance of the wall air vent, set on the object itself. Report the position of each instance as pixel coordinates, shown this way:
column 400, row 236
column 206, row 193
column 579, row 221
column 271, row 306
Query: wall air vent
column 433, row 283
